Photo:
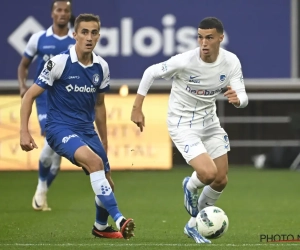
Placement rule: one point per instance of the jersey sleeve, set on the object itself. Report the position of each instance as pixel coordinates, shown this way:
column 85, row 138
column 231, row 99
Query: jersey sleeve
column 52, row 71
column 32, row 45
column 237, row 84
column 166, row 70
column 105, row 84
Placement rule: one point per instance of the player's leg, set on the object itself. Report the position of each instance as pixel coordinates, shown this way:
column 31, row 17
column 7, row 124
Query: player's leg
column 54, row 169
column 86, row 158
column 192, row 149
column 39, row 201
column 101, row 228
column 72, row 146
column 217, row 147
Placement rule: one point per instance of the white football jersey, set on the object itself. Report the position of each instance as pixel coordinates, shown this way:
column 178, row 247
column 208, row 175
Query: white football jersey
column 196, row 85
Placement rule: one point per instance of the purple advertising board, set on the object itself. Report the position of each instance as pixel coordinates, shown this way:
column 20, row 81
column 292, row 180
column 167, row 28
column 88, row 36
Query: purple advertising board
column 138, row 33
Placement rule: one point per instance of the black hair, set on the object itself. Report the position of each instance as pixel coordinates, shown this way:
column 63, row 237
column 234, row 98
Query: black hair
column 211, row 23
column 54, row 1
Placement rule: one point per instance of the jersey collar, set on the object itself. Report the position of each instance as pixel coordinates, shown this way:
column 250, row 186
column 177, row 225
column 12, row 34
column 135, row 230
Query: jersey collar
column 74, row 57
column 49, row 32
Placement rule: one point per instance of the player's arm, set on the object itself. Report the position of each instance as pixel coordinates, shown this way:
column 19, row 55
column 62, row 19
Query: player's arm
column 23, row 73
column 26, row 141
column 52, row 70
column 166, row 70
column 100, row 119
column 100, row 109
column 30, row 52
column 236, row 93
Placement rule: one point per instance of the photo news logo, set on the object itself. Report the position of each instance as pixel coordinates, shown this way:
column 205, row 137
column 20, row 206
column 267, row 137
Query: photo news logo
column 274, row 238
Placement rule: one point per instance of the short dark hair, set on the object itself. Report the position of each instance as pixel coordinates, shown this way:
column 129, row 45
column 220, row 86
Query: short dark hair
column 86, row 18
column 211, row 23
column 54, row 1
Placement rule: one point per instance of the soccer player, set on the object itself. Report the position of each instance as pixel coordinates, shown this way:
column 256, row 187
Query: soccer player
column 199, row 75
column 76, row 81
column 44, row 45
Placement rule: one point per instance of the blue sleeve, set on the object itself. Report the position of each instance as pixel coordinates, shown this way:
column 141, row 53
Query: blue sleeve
column 106, row 89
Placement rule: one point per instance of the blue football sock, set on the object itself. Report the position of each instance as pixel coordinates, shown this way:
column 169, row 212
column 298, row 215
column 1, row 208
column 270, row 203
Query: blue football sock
column 43, row 171
column 105, row 194
column 56, row 160
column 101, row 212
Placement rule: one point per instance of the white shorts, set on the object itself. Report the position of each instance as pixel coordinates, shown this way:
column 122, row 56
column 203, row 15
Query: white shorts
column 192, row 142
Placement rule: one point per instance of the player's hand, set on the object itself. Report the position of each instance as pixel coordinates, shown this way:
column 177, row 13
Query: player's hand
column 138, row 117
column 26, row 142
column 23, row 90
column 232, row 96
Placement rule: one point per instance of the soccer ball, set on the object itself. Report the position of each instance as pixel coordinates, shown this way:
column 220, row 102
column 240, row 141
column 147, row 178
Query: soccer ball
column 212, row 222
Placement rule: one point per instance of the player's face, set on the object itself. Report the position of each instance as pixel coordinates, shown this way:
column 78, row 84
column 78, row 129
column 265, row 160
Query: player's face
column 209, row 41
column 87, row 36
column 61, row 13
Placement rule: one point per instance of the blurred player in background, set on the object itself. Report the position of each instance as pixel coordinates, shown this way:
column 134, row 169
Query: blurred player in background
column 198, row 76
column 44, row 45
column 76, row 81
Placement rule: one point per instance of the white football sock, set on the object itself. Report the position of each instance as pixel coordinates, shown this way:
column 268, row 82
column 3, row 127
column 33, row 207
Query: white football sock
column 99, row 226
column 208, row 197
column 42, row 186
column 194, row 183
column 192, row 222
column 119, row 221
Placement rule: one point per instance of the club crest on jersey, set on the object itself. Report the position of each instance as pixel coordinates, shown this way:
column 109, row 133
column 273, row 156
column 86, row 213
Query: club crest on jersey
column 222, row 77
column 96, row 79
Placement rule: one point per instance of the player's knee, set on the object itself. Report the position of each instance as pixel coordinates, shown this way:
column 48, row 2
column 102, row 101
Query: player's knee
column 95, row 164
column 220, row 182
column 207, row 174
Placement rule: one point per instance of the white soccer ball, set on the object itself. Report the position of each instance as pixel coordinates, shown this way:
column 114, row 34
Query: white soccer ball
column 212, row 222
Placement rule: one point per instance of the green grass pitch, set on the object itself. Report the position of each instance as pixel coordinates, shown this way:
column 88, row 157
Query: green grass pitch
column 256, row 202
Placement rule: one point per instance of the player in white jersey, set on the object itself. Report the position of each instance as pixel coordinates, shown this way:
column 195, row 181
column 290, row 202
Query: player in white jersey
column 198, row 77
column 43, row 45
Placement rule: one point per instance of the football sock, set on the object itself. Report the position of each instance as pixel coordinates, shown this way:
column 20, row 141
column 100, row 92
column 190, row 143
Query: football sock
column 56, row 160
column 101, row 215
column 194, row 183
column 105, row 194
column 44, row 166
column 192, row 222
column 208, row 197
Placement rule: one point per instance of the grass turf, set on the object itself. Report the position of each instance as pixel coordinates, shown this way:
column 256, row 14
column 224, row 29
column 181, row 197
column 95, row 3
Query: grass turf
column 256, row 202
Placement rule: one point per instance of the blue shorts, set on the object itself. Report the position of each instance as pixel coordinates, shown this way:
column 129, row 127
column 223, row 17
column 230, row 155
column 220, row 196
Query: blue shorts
column 65, row 141
column 41, row 107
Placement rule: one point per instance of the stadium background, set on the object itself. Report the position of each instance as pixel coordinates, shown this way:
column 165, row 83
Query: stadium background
column 264, row 38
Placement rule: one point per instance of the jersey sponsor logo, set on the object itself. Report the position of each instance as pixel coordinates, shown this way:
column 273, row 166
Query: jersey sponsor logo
column 50, row 65
column 202, row 92
column 81, row 89
column 67, row 138
column 222, row 77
